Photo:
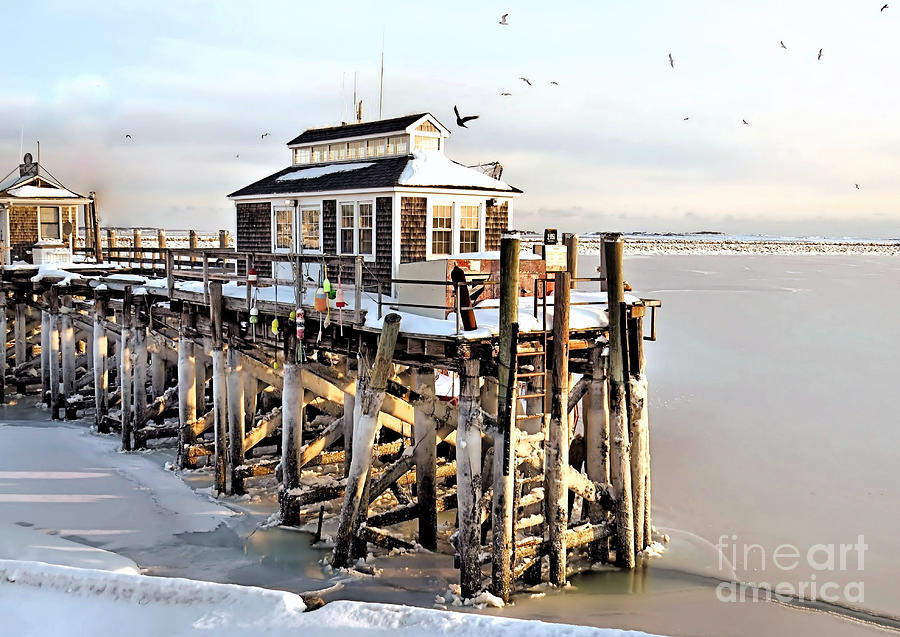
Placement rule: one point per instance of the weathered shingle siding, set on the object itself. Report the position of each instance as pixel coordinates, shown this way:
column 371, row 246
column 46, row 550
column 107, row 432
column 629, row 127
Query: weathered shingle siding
column 382, row 269
column 496, row 223
column 254, row 230
column 413, row 212
column 329, row 226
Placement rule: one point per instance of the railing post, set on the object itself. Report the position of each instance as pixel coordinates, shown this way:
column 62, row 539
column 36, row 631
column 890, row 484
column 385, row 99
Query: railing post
column 358, row 273
column 170, row 273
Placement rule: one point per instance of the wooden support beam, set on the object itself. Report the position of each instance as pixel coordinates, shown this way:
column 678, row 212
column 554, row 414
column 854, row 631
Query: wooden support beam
column 236, row 422
column 3, row 358
column 577, row 392
column 391, row 474
column 425, row 430
column 556, row 494
column 53, row 352
column 45, row 352
column 139, row 398
column 220, row 394
column 505, row 440
column 468, row 477
column 266, row 426
column 20, row 332
column 620, row 469
column 639, row 430
column 101, row 364
column 370, row 398
column 187, row 397
column 292, row 415
column 382, row 538
column 125, row 369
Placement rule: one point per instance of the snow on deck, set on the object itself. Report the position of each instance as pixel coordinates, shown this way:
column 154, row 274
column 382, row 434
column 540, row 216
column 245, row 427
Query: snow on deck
column 42, row 599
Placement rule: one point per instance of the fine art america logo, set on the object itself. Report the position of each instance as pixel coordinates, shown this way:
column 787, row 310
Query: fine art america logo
column 809, row 574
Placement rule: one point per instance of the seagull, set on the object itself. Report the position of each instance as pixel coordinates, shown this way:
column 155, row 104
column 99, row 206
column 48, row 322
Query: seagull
column 238, row 156
column 503, row 20
column 671, row 61
column 526, row 80
column 783, row 46
column 883, row 8
column 820, row 54
column 857, row 185
column 264, row 135
column 505, row 93
column 127, row 136
column 554, row 83
column 746, row 123
column 460, row 120
column 685, row 119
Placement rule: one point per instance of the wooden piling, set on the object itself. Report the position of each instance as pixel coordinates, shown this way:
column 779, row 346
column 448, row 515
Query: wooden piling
column 139, row 368
column 468, row 478
column 236, row 415
column 571, row 241
column 638, row 417
column 220, row 395
column 53, row 353
column 364, row 431
column 620, row 465
column 596, row 437
column 223, row 239
column 3, row 329
column 45, row 351
column 101, row 369
column 67, row 349
column 425, row 430
column 20, row 331
column 556, row 491
column 126, row 380
column 187, row 396
column 505, row 440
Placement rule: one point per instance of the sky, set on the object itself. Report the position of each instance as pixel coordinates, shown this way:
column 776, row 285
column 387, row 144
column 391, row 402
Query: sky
column 196, row 84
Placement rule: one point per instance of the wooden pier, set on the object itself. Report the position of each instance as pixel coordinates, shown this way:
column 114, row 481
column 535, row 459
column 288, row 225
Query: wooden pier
column 231, row 358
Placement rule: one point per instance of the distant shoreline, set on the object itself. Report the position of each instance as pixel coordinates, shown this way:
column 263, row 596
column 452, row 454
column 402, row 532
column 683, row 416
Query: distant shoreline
column 712, row 243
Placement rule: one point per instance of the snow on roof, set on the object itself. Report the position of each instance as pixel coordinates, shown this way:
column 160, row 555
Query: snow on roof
column 33, row 192
column 319, row 171
column 432, row 168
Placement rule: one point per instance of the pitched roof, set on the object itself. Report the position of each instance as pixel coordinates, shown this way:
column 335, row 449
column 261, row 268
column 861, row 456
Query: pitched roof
column 378, row 127
column 39, row 186
column 421, row 169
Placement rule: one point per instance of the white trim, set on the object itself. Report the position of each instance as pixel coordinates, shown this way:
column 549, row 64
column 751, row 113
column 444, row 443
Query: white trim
column 58, row 221
column 274, row 210
column 409, row 191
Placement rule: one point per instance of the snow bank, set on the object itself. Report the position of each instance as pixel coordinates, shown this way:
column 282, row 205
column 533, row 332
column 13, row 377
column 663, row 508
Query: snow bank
column 40, row 599
column 21, row 543
column 433, row 168
column 53, row 271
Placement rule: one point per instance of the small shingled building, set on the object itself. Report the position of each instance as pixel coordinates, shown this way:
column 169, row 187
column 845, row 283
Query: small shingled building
column 38, row 215
column 384, row 190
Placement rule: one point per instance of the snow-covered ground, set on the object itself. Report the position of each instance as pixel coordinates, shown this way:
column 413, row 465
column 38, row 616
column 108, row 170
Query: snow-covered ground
column 41, row 599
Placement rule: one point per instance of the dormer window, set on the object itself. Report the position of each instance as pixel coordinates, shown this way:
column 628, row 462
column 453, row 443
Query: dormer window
column 356, row 150
column 302, row 155
column 319, row 154
column 398, row 145
column 426, row 143
column 376, row 147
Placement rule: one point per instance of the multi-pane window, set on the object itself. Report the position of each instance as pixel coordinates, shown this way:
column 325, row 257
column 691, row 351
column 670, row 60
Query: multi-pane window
column 284, row 229
column 376, row 147
column 49, row 218
column 442, row 229
column 356, row 150
column 338, row 151
column 427, row 143
column 348, row 226
column 398, row 145
column 469, row 228
column 319, row 153
column 366, row 219
column 311, row 228
column 302, row 155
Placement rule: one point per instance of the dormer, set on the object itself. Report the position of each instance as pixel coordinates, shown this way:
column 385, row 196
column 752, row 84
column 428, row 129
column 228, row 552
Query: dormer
column 369, row 140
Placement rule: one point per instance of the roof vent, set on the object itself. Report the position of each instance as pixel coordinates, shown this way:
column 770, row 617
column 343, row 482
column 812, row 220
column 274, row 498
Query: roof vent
column 27, row 168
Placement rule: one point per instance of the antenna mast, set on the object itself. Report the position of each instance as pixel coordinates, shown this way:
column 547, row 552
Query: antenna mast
column 381, row 82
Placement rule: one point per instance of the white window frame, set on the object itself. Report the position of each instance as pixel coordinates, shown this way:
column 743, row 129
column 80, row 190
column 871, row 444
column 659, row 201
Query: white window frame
column 455, row 225
column 293, row 216
column 310, row 206
column 58, row 222
column 340, row 227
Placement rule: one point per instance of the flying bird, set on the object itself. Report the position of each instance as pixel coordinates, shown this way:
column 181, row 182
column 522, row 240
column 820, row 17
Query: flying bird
column 526, row 80
column 505, row 93
column 460, row 120
column 554, row 83
column 264, row 135
column 127, row 136
column 884, row 7
column 746, row 123
column 857, row 185
column 671, row 61
column 820, row 55
column 783, row 46
column 503, row 20
column 686, row 119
